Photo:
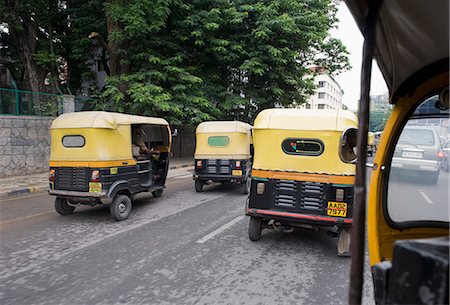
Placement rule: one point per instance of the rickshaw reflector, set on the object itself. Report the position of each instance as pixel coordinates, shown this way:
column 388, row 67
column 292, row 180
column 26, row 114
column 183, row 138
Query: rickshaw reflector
column 199, row 164
column 51, row 175
column 95, row 176
column 339, row 195
column 260, row 187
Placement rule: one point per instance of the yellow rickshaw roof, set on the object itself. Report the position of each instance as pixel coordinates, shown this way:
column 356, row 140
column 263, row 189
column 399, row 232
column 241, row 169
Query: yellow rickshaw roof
column 305, row 119
column 410, row 36
column 102, row 119
column 223, row 127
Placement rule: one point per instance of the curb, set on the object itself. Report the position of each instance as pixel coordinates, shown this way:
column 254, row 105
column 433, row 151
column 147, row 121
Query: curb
column 181, row 166
column 22, row 191
column 35, row 189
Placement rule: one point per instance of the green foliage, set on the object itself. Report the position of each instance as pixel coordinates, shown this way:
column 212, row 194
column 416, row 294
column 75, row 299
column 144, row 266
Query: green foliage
column 190, row 61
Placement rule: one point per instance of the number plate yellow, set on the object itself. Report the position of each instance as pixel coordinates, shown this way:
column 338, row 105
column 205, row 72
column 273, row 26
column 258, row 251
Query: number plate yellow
column 95, row 187
column 337, row 209
column 236, row 172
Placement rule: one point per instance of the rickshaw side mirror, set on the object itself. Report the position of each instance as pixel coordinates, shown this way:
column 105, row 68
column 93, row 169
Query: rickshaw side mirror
column 443, row 101
column 175, row 133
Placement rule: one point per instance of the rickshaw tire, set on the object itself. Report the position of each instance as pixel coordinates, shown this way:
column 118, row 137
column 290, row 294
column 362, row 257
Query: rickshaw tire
column 198, row 186
column 254, row 228
column 343, row 245
column 121, row 207
column 157, row 193
column 62, row 206
column 246, row 186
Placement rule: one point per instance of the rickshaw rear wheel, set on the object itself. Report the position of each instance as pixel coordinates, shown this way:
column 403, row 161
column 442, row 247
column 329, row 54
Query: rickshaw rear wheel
column 199, row 186
column 245, row 186
column 254, row 228
column 120, row 208
column 62, row 206
column 343, row 246
column 157, row 193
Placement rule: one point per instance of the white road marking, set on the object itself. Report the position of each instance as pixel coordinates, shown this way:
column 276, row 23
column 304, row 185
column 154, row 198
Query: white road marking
column 219, row 230
column 427, row 199
column 182, row 176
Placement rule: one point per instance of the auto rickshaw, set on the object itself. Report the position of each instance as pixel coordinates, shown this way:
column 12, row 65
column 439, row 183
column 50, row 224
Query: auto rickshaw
column 303, row 172
column 107, row 158
column 223, row 154
column 408, row 217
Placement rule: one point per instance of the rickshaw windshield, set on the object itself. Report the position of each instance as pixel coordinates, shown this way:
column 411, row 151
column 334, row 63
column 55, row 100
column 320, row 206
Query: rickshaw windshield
column 417, row 171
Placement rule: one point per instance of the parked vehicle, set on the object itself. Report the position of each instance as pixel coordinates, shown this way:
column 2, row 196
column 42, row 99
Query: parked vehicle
column 107, row 158
column 223, row 153
column 303, row 172
column 445, row 150
column 408, row 220
column 418, row 152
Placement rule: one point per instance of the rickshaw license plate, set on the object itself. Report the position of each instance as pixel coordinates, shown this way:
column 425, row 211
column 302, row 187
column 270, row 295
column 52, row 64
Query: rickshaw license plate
column 95, row 187
column 337, row 209
column 236, row 172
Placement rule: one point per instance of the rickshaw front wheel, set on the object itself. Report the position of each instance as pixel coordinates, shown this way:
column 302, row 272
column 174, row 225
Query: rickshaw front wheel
column 62, row 206
column 157, row 193
column 343, row 246
column 254, row 228
column 246, row 184
column 198, row 186
column 120, row 208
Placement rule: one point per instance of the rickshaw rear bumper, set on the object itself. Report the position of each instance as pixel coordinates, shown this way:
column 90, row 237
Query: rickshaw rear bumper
column 81, row 196
column 218, row 177
column 300, row 217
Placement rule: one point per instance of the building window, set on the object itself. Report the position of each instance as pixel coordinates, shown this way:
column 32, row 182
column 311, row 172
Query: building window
column 308, row 106
column 320, row 106
column 321, row 95
column 322, row 84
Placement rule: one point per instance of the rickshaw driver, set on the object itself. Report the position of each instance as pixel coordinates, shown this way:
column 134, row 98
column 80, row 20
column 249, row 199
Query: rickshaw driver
column 140, row 149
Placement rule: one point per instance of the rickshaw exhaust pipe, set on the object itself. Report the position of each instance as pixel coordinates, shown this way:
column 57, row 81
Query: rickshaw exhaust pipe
column 281, row 228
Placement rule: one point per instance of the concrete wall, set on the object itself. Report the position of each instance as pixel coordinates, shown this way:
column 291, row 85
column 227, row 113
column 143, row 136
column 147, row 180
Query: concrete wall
column 24, row 145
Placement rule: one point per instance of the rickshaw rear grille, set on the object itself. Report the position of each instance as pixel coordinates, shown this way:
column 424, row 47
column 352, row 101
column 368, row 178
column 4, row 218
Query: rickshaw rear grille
column 312, row 196
column 286, row 185
column 218, row 167
column 73, row 179
column 284, row 200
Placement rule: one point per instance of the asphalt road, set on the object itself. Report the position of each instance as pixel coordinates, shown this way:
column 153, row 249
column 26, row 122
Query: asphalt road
column 182, row 248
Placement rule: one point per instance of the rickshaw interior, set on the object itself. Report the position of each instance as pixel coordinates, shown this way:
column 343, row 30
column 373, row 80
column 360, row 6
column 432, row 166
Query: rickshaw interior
column 150, row 145
column 408, row 210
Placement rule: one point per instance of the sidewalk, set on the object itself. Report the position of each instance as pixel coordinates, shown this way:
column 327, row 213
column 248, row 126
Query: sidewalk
column 33, row 183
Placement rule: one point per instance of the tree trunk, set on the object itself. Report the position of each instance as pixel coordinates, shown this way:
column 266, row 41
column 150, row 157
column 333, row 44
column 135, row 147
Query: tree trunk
column 24, row 31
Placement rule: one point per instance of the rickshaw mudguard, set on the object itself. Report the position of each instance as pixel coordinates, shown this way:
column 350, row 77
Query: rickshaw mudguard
column 117, row 186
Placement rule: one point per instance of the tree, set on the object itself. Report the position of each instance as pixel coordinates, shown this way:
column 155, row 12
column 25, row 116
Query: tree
column 197, row 60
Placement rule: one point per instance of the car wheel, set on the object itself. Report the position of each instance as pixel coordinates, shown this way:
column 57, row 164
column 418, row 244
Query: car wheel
column 62, row 206
column 433, row 178
column 157, row 193
column 254, row 228
column 198, row 186
column 120, row 208
column 343, row 246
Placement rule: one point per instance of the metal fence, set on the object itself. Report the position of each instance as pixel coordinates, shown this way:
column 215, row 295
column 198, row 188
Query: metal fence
column 24, row 102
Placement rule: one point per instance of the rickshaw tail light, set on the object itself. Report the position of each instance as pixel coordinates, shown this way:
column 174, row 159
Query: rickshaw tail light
column 51, row 175
column 238, row 164
column 260, row 187
column 339, row 195
column 199, row 164
column 95, row 176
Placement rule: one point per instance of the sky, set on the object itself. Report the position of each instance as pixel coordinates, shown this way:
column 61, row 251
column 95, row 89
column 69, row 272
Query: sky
column 349, row 81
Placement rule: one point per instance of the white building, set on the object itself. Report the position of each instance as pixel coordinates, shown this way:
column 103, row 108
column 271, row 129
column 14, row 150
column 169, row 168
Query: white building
column 328, row 94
